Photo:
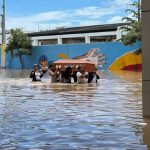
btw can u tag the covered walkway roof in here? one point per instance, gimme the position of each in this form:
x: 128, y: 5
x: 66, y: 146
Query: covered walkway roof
x: 77, y: 30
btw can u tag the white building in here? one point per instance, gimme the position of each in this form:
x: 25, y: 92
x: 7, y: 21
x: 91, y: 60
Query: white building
x: 83, y: 34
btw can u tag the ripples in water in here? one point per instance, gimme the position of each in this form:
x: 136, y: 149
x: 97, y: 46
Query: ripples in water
x: 43, y: 116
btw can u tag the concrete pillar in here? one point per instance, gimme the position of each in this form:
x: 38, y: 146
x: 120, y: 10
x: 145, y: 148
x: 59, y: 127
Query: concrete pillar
x: 87, y: 39
x: 59, y: 40
x: 35, y: 42
x: 118, y: 33
x: 39, y: 43
x: 146, y: 56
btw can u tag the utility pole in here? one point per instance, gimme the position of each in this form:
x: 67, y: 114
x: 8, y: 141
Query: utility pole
x: 139, y: 10
x: 3, y: 53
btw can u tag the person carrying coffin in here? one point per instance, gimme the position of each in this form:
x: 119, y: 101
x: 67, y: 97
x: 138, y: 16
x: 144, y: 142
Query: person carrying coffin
x: 93, y: 76
x: 81, y: 76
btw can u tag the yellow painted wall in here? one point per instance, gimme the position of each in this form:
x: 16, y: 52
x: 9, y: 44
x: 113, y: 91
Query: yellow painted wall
x: 126, y: 60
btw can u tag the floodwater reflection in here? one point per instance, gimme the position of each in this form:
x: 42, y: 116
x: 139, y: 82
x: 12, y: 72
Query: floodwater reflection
x: 103, y: 116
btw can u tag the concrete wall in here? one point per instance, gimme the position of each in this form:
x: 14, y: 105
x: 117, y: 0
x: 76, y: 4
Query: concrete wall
x: 59, y: 38
x: 111, y: 50
x: 146, y: 56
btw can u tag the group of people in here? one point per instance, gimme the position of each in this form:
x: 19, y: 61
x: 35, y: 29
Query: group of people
x: 66, y: 76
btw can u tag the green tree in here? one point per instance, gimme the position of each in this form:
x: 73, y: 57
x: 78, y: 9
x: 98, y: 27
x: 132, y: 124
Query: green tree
x: 19, y: 44
x: 133, y: 29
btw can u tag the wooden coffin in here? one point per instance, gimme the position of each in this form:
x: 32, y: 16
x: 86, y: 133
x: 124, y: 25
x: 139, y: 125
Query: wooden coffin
x: 74, y: 63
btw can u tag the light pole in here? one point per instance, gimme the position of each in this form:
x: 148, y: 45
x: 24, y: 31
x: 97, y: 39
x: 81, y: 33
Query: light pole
x: 3, y: 53
x: 139, y: 10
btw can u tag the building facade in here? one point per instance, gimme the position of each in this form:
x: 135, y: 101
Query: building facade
x: 84, y: 34
x: 73, y: 35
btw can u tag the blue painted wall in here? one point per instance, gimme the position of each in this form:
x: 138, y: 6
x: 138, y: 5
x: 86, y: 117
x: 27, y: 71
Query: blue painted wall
x: 112, y: 51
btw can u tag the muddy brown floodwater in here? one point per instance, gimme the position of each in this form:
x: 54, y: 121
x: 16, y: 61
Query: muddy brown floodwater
x: 45, y: 116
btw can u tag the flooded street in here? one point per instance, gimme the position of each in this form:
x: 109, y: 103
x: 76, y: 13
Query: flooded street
x: 45, y: 116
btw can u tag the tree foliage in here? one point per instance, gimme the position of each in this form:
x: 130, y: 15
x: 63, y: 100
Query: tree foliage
x: 19, y: 44
x: 133, y: 29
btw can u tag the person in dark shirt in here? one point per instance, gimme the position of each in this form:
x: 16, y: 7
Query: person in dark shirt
x: 67, y: 75
x: 74, y: 76
x: 93, y: 76
x: 36, y: 74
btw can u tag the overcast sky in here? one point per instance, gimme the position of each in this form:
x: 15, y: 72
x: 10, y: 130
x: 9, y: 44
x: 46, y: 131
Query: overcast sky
x: 49, y: 14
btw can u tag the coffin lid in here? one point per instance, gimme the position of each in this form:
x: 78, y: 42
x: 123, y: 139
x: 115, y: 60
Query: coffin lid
x: 73, y: 61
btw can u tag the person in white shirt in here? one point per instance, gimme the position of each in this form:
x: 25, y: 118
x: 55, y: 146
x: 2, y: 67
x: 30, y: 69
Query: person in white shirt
x: 36, y: 74
x: 81, y: 76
